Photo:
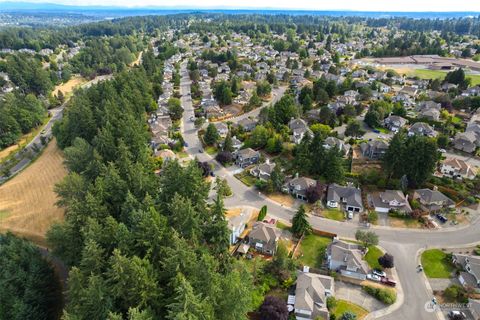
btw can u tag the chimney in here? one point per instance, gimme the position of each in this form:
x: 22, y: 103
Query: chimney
x: 435, y: 188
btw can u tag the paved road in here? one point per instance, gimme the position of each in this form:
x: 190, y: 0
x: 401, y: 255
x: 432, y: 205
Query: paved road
x: 404, y: 244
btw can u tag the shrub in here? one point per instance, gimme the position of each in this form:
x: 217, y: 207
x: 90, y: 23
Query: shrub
x: 262, y: 214
x: 331, y: 303
x: 387, y: 296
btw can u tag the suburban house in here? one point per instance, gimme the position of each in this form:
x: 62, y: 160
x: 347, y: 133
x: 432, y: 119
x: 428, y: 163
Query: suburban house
x: 264, y: 238
x: 347, y: 259
x: 247, y: 124
x: 222, y: 129
x: 432, y: 200
x: 311, y: 293
x: 388, y: 200
x: 299, y: 129
x: 469, y: 140
x: 349, y: 197
x: 263, y: 171
x: 429, y: 110
x: 298, y: 186
x: 332, y: 142
x: 237, y: 225
x: 457, y: 169
x: 465, y: 141
x: 374, y: 149
x: 247, y: 157
x: 470, y: 276
x: 394, y: 123
x: 421, y: 129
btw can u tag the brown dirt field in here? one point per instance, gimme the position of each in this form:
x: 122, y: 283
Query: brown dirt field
x: 68, y: 86
x: 27, y: 201
x: 285, y: 199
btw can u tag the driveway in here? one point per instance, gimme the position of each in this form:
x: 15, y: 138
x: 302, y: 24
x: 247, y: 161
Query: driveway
x: 355, y: 294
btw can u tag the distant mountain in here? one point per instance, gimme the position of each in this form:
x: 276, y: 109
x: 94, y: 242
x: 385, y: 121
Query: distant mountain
x: 128, y: 11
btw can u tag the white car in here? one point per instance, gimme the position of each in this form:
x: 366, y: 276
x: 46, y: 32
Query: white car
x: 350, y: 215
x: 379, y: 273
x: 373, y: 277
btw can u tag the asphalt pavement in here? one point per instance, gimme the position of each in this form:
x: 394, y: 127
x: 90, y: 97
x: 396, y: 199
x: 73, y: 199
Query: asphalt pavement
x: 403, y: 244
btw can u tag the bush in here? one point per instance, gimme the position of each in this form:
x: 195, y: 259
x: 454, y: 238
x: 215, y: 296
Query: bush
x: 387, y: 296
x: 456, y: 293
x: 262, y: 214
x: 372, y: 216
x: 331, y: 303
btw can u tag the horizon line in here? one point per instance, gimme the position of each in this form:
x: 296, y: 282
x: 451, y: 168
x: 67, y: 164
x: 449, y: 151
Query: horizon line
x: 230, y: 8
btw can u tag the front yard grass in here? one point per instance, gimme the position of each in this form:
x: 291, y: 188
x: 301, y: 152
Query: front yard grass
x: 282, y: 226
x: 246, y: 178
x: 312, y: 250
x: 343, y: 306
x: 211, y: 150
x: 333, y: 214
x: 436, y: 264
x: 372, y: 257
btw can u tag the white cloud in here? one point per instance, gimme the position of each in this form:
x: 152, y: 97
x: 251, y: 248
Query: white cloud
x: 356, y: 5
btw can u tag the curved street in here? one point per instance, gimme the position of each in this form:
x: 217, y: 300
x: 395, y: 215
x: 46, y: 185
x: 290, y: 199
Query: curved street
x: 403, y: 244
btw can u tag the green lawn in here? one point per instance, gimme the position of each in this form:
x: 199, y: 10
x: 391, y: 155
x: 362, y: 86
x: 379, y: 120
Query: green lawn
x: 182, y: 154
x: 334, y: 214
x: 344, y: 306
x: 282, y: 226
x: 438, y: 74
x: 211, y: 150
x: 382, y: 130
x: 436, y: 264
x: 372, y: 257
x: 313, y: 249
x: 246, y: 178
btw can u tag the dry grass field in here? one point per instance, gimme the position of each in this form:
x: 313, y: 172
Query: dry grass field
x: 68, y: 87
x: 27, y: 201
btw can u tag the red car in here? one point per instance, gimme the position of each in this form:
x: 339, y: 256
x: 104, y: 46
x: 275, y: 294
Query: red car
x: 388, y: 282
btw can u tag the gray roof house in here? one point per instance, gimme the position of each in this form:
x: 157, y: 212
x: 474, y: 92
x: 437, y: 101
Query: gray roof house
x: 311, y: 293
x: 298, y: 186
x: 237, y: 225
x: 432, y: 200
x: 469, y: 140
x: 247, y: 157
x: 421, y: 129
x: 470, y: 277
x: 247, y: 124
x: 374, y: 149
x: 264, y: 238
x: 299, y: 129
x: 349, y: 197
x: 394, y: 123
x: 332, y: 142
x: 347, y: 258
x: 263, y: 171
x: 465, y: 141
x: 388, y: 200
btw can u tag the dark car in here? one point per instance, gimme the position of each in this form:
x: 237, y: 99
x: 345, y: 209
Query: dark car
x: 441, y: 218
x: 388, y: 282
x: 456, y: 315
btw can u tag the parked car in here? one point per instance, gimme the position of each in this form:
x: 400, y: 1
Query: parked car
x: 457, y: 315
x: 442, y: 150
x: 200, y: 150
x: 441, y: 217
x: 350, y: 214
x: 373, y: 277
x: 388, y: 282
x: 379, y: 273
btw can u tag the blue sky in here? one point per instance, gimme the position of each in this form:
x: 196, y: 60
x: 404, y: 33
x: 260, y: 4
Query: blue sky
x: 357, y: 5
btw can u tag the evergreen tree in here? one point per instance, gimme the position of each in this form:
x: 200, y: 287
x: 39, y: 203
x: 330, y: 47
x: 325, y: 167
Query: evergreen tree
x: 300, y: 224
x: 211, y: 136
